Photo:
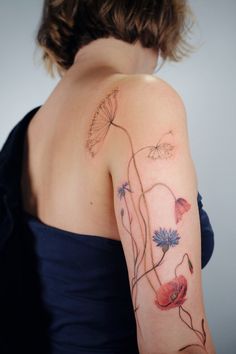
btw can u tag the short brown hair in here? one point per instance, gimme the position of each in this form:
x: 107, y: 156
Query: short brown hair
x: 67, y: 25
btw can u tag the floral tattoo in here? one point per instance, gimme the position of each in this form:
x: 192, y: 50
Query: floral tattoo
x: 171, y: 294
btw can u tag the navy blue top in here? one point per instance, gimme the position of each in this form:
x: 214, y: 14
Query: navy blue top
x: 64, y: 293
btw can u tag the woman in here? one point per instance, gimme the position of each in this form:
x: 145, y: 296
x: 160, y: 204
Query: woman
x: 99, y: 192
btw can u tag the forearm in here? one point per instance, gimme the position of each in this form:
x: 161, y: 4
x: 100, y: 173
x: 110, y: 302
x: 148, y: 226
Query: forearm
x: 192, y: 350
x: 210, y: 349
x: 188, y: 350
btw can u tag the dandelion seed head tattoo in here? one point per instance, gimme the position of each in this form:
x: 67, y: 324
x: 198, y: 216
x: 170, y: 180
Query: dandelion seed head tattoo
x: 101, y: 122
x: 161, y: 151
x: 170, y: 294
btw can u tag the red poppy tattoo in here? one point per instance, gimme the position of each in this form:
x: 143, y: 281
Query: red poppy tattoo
x: 181, y: 207
x: 171, y: 294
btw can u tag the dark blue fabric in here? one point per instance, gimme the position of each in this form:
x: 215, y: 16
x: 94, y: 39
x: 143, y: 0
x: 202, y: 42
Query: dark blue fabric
x: 85, y: 290
x: 62, y: 293
x: 207, y: 233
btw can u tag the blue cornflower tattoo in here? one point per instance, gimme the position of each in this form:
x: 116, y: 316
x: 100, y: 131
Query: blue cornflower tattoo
x: 122, y: 189
x: 166, y: 238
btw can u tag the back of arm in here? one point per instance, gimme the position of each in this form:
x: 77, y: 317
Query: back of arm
x: 155, y: 203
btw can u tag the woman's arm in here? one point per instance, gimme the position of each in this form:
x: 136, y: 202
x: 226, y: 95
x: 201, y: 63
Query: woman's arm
x: 155, y: 203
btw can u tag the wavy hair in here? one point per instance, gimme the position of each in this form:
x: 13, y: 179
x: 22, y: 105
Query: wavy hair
x: 68, y: 25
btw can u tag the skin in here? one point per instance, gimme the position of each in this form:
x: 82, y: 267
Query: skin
x: 59, y: 139
x: 49, y: 137
x: 170, y: 294
x: 116, y: 56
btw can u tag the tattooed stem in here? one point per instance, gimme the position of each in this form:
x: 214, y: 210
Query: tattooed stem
x: 156, y: 265
x: 122, y: 220
x: 134, y: 243
x: 200, y: 335
x: 145, y: 240
x: 131, y: 196
x: 189, y: 264
x: 188, y: 324
x: 141, y: 186
x: 192, y: 345
x: 133, y: 239
x: 158, y: 279
x: 197, y: 332
x: 129, y: 226
x: 161, y: 184
x: 142, y: 195
x: 204, y: 332
x: 144, y: 222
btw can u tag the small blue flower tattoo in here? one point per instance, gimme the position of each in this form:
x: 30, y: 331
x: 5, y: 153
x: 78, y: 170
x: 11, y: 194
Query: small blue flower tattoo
x: 122, y: 190
x: 166, y: 238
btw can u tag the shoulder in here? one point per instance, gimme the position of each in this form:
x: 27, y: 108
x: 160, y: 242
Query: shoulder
x: 147, y: 107
x: 150, y: 101
x: 150, y: 114
x: 148, y: 90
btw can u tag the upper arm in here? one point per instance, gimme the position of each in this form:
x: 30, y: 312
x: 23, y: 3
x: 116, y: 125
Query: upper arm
x: 155, y: 203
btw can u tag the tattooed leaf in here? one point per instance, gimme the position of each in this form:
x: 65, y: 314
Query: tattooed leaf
x: 203, y: 331
x: 190, y: 266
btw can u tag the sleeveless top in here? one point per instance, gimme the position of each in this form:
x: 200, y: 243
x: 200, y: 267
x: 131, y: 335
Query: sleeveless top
x: 62, y: 292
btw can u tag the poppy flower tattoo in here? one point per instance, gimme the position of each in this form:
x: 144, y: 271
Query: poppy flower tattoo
x: 181, y: 207
x: 171, y: 294
x: 101, y: 122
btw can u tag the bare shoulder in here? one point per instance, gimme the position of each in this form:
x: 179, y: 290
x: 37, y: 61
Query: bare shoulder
x: 149, y: 90
x: 154, y: 187
x: 150, y: 101
x: 148, y: 108
x: 141, y: 108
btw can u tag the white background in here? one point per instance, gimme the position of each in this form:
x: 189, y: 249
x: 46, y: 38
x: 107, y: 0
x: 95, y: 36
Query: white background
x: 206, y: 82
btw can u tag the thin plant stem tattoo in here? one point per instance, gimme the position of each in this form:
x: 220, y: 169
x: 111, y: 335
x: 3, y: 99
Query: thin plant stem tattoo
x: 153, y: 157
x: 146, y: 224
x: 134, y: 244
x: 167, y: 295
